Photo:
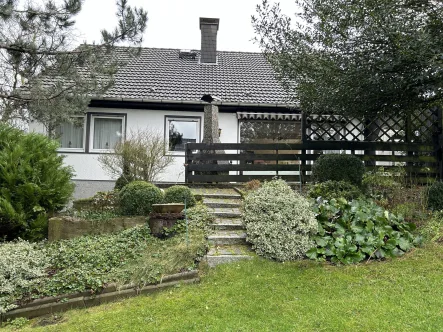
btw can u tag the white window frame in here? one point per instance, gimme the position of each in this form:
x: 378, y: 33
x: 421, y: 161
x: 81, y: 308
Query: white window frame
x: 91, y: 135
x: 82, y: 149
x: 168, y: 118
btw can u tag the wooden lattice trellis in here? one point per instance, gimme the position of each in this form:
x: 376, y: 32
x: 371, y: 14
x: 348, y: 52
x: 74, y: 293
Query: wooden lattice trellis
x: 418, y: 127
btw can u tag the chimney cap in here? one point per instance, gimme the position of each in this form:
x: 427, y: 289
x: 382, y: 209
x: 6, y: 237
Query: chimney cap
x: 209, y: 98
x: 209, y: 21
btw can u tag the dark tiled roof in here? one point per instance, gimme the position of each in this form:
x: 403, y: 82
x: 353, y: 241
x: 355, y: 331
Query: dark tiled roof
x: 160, y: 74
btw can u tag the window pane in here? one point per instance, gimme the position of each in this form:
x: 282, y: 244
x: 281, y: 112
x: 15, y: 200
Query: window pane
x: 70, y: 136
x: 182, y: 132
x: 264, y: 132
x: 107, y: 133
x: 270, y: 131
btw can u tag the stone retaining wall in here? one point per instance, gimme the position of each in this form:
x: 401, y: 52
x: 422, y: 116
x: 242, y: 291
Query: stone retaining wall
x: 68, y: 227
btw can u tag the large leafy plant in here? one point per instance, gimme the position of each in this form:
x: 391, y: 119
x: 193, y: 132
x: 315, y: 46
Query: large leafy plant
x: 349, y: 232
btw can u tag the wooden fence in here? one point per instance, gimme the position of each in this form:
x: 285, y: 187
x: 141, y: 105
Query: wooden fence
x: 237, y: 162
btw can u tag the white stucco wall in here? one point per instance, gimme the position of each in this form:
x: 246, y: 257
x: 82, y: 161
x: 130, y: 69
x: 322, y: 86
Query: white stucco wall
x: 87, y: 167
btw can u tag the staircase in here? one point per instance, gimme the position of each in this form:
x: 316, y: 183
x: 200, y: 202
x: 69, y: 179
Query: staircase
x: 228, y: 238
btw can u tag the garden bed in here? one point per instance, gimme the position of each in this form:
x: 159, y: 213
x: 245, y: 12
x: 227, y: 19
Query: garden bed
x: 88, y: 265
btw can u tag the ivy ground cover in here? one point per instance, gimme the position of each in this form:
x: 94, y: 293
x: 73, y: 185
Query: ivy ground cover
x: 401, y: 294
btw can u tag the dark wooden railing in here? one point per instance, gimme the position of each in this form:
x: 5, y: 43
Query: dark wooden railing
x: 419, y: 160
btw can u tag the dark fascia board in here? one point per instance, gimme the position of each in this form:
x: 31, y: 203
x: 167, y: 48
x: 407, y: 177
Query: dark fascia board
x: 187, y: 107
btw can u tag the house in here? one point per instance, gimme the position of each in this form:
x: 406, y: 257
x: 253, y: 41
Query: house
x: 162, y: 89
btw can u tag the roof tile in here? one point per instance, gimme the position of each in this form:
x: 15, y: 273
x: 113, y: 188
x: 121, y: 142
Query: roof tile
x: 160, y: 74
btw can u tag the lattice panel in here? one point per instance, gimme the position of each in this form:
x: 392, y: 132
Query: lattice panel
x: 333, y: 128
x: 385, y: 130
x: 420, y: 127
x: 424, y: 126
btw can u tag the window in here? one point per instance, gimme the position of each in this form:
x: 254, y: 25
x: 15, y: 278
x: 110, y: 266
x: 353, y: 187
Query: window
x: 180, y: 131
x: 106, y: 132
x: 270, y: 131
x: 71, y: 135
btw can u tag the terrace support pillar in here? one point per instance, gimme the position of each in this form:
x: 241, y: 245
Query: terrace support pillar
x: 211, y: 135
x: 211, y: 128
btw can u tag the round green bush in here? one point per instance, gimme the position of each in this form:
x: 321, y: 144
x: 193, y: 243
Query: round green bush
x: 335, y: 189
x: 278, y: 221
x: 178, y: 194
x: 137, y: 198
x: 435, y: 196
x: 338, y: 167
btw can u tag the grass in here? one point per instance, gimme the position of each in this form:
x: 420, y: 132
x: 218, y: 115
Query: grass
x: 403, y: 294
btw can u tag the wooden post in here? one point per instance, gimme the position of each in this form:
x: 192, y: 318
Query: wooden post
x: 188, y: 160
x: 408, y: 139
x: 304, y: 138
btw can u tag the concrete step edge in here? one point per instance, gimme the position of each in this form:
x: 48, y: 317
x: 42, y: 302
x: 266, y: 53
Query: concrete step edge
x: 224, y: 196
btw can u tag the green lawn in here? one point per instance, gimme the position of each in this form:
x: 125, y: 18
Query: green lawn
x: 404, y: 294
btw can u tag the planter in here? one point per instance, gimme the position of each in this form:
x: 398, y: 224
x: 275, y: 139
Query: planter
x: 159, y: 222
x: 168, y: 208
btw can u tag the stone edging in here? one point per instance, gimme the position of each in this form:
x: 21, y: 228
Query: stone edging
x: 51, y: 305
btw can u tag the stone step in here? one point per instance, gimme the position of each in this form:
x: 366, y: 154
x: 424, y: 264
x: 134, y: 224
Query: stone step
x: 227, y: 238
x: 227, y: 254
x: 228, y: 224
x: 226, y: 212
x: 221, y: 203
x: 230, y: 250
x: 223, y: 259
x: 222, y: 196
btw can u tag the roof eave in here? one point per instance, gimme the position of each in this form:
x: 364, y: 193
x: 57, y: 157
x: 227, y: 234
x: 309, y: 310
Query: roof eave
x: 174, y: 101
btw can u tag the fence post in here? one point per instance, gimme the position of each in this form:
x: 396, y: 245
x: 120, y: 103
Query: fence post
x: 304, y: 138
x: 188, y: 160
x: 408, y: 138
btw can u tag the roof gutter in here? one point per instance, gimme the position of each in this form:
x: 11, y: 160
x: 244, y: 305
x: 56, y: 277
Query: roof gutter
x: 217, y: 103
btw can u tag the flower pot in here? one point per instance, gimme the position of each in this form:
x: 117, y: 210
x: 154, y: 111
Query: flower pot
x: 158, y: 222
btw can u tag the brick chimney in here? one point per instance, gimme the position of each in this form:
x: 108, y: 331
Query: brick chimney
x: 209, y: 28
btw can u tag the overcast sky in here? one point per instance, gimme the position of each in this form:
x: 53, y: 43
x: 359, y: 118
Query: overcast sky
x: 175, y: 23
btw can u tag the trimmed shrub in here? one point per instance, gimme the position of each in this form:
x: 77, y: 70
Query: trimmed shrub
x: 349, y: 232
x: 178, y: 194
x: 33, y: 183
x: 435, y: 196
x: 122, y: 181
x: 335, y: 189
x: 22, y: 267
x: 338, y: 167
x: 137, y: 198
x: 278, y: 221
